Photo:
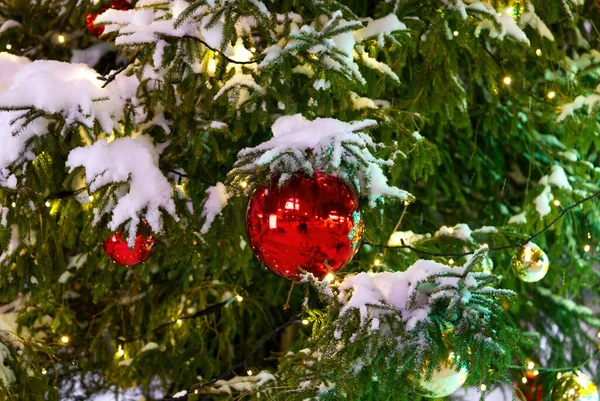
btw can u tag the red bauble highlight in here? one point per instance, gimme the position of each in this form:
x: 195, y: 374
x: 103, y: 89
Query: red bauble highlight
x: 91, y: 17
x: 311, y: 222
x: 118, y: 250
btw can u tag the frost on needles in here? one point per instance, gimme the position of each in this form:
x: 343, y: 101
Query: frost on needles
x: 393, y: 327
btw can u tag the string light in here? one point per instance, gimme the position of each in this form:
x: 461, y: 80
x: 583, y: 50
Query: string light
x: 253, y: 49
x: 211, y: 67
x: 524, y: 380
x: 305, y: 321
x: 450, y: 230
x: 589, y: 235
x: 61, y: 39
x: 14, y: 204
x: 483, y: 387
x: 507, y: 80
x: 538, y: 52
x: 244, y: 184
x: 47, y: 203
x: 536, y: 372
x: 530, y: 365
x: 65, y: 339
x: 120, y: 352
x: 451, y: 261
x: 179, y: 322
x: 8, y: 46
x: 455, y: 33
x: 91, y: 198
x: 586, y: 248
x: 551, y: 95
x: 239, y: 298
x: 329, y: 277
x: 556, y: 202
x: 249, y: 372
x: 44, y: 371
x: 377, y: 262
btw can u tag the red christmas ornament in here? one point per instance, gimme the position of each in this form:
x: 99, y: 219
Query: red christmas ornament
x: 530, y: 387
x: 91, y: 17
x: 118, y: 250
x: 311, y: 222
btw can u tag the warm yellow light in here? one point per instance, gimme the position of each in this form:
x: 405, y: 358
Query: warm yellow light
x: 249, y: 372
x: 239, y: 298
x: 47, y: 203
x: 551, y: 95
x: 179, y: 322
x: 530, y: 365
x: 44, y: 371
x: 305, y: 321
x: 455, y: 33
x: 536, y: 372
x: 586, y: 248
x: 483, y: 387
x: 507, y: 80
x: 91, y: 197
x: 572, y: 391
x: 538, y: 52
x: 14, y: 204
x: 450, y: 230
x: 556, y: 202
x: 451, y: 261
x: 64, y: 339
x: 120, y: 352
x: 244, y: 184
x: 589, y: 235
x: 524, y: 380
x: 61, y: 39
x: 510, y: 11
x: 377, y: 262
x: 598, y: 335
x: 253, y: 49
x: 8, y: 46
x: 211, y: 67
x: 527, y: 256
x: 329, y: 277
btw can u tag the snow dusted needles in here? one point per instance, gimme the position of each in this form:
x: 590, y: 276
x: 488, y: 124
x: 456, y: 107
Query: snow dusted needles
x: 325, y: 145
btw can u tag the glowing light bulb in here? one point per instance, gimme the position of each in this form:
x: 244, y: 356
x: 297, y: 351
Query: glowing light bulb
x: 589, y: 235
x: 14, y: 204
x: 47, y: 203
x: 536, y: 372
x: 527, y: 256
x: 551, y: 95
x: 239, y: 298
x: 64, y: 339
x: 507, y: 80
x: 244, y: 184
x: 483, y: 387
x: 178, y: 322
x: 253, y: 49
x: 120, y: 352
x: 44, y: 371
x: 91, y: 198
x: 305, y: 321
x: 538, y: 52
x: 450, y: 230
x: 8, y: 46
x: 451, y: 261
x: 586, y: 248
x: 455, y: 33
x: 524, y: 380
x: 530, y: 365
x: 249, y: 372
x: 377, y: 262
x: 329, y: 277
x: 211, y: 67
x: 61, y: 39
x: 556, y: 202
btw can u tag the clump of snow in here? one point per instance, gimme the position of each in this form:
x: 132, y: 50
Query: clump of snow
x: 133, y: 161
x: 519, y: 218
x: 502, y: 25
x: 324, y: 144
x: 149, y: 347
x: 399, y: 238
x: 7, y: 376
x: 557, y: 178
x: 241, y: 384
x: 379, y: 28
x: 9, y: 66
x: 461, y: 231
x: 529, y: 17
x: 217, y: 199
x: 13, y: 244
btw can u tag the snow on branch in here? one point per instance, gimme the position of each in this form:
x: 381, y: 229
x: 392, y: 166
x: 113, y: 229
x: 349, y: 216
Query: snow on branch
x: 325, y: 145
x: 133, y: 161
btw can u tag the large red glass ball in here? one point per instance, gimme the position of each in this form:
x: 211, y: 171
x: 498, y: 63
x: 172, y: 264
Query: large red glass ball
x: 118, y: 250
x: 312, y: 223
x: 91, y: 17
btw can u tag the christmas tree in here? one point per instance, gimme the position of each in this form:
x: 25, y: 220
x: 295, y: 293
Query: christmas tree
x: 299, y: 200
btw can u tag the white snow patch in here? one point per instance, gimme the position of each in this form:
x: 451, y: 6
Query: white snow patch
x: 217, y: 199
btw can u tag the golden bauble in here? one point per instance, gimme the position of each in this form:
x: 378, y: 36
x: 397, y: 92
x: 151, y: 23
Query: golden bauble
x: 530, y: 264
x: 444, y: 381
x: 484, y: 265
x: 574, y: 387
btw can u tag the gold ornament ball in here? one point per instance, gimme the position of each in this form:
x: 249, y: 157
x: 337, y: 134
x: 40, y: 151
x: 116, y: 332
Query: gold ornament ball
x: 574, y: 387
x: 444, y: 381
x: 530, y: 264
x: 484, y: 265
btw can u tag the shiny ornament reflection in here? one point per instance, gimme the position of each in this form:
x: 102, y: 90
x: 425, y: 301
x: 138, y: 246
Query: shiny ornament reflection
x: 91, y: 17
x: 118, y: 250
x: 445, y: 381
x: 311, y: 223
x: 530, y: 264
x: 574, y: 387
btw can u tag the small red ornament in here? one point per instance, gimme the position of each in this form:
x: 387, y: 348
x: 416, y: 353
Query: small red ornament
x: 91, y: 17
x: 311, y: 222
x: 118, y: 250
x: 530, y: 387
